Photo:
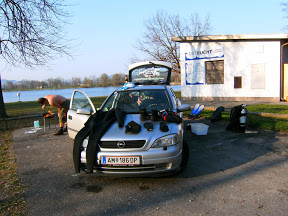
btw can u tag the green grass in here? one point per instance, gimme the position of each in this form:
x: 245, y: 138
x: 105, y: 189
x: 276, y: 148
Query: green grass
x: 97, y: 101
x: 12, y: 202
x: 269, y: 108
x: 17, y: 109
x: 29, y: 108
x: 267, y: 123
x: 255, y: 121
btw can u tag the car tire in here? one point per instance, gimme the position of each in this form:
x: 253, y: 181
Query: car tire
x: 185, y: 156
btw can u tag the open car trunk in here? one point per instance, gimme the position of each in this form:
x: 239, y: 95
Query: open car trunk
x: 150, y: 73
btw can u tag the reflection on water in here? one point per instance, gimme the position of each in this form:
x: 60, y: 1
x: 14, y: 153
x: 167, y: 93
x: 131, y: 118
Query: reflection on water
x: 34, y: 95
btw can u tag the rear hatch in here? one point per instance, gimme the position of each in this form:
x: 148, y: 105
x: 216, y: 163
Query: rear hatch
x: 150, y: 73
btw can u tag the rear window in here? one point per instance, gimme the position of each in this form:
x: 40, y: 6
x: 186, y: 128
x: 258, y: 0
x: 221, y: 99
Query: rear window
x: 150, y: 75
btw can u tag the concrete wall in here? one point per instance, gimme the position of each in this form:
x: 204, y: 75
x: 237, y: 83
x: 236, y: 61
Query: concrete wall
x: 257, y: 62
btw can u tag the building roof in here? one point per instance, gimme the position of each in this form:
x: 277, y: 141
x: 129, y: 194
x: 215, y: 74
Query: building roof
x: 278, y: 36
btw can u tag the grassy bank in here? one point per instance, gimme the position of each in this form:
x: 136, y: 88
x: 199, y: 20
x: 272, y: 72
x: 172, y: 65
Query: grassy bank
x: 33, y: 107
x: 11, y: 200
x: 30, y: 108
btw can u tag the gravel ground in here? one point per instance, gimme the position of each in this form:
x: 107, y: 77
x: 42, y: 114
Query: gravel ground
x: 227, y: 174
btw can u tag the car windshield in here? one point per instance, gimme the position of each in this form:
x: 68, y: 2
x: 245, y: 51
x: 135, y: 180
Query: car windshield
x: 133, y: 101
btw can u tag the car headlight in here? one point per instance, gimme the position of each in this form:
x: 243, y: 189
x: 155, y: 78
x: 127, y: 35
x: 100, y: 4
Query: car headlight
x: 166, y: 141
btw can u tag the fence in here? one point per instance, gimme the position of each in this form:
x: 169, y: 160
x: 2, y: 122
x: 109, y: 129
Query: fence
x: 23, y: 121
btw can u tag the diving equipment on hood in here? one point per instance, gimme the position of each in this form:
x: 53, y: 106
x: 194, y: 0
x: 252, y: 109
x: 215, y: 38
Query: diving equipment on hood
x: 144, y: 115
x: 148, y: 126
x: 170, y: 116
x: 156, y: 116
x: 132, y: 127
x: 164, y: 127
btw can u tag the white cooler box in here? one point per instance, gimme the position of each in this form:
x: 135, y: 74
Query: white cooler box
x: 199, y: 128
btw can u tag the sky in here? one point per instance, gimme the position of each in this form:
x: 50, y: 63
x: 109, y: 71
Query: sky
x: 106, y: 32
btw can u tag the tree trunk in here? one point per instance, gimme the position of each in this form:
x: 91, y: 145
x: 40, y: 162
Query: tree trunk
x: 3, y: 113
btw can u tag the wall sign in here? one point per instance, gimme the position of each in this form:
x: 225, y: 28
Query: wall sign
x: 195, y: 73
x: 204, y: 53
x: 195, y: 61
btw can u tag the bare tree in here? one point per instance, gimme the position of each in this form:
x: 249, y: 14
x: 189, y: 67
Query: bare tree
x: 157, y: 39
x: 31, y: 34
x: 75, y: 81
x: 87, y: 82
x: 176, y: 78
x: 105, y: 81
x: 198, y: 26
x: 117, y: 79
x: 9, y: 85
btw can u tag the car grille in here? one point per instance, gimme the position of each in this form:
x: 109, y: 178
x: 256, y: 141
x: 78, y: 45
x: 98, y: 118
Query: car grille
x: 126, y: 170
x: 128, y: 144
x: 134, y: 169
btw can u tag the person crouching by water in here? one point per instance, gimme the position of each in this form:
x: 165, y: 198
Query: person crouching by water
x: 62, y: 104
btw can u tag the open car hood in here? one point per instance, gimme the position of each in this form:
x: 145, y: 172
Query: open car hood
x: 150, y: 73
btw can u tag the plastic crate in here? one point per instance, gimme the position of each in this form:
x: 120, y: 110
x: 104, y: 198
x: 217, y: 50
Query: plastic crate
x: 199, y: 128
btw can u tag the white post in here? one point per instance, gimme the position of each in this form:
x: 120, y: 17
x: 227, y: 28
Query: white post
x: 18, y: 94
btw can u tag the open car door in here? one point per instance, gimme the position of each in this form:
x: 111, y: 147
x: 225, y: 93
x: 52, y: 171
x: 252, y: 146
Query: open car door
x: 80, y: 109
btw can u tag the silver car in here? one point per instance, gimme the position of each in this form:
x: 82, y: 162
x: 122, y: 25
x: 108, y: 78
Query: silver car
x: 147, y: 151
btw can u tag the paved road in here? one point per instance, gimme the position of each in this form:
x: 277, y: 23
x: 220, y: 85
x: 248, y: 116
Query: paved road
x: 228, y: 174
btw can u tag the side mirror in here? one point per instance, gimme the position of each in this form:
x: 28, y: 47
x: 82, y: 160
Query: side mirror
x: 183, y: 107
x: 84, y: 111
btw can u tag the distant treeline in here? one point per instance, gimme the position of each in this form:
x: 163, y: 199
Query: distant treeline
x: 104, y: 80
x: 58, y: 83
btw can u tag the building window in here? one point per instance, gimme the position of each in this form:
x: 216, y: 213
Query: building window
x: 214, y: 72
x: 238, y: 82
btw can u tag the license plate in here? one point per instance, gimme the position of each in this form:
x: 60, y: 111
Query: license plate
x: 123, y: 160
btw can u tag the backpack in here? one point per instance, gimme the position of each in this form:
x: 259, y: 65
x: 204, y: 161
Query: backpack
x: 234, y: 124
x: 217, y: 114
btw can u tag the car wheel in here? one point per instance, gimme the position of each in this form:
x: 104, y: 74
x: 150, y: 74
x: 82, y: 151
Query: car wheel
x: 185, y: 156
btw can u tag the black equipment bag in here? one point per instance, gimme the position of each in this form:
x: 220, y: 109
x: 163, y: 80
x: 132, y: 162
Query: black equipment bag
x: 217, y: 114
x: 234, y: 124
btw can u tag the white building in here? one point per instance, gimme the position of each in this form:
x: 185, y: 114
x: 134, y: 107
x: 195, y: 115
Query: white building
x: 234, y: 67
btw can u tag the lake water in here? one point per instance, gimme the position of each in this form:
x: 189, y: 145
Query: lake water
x: 10, y: 97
